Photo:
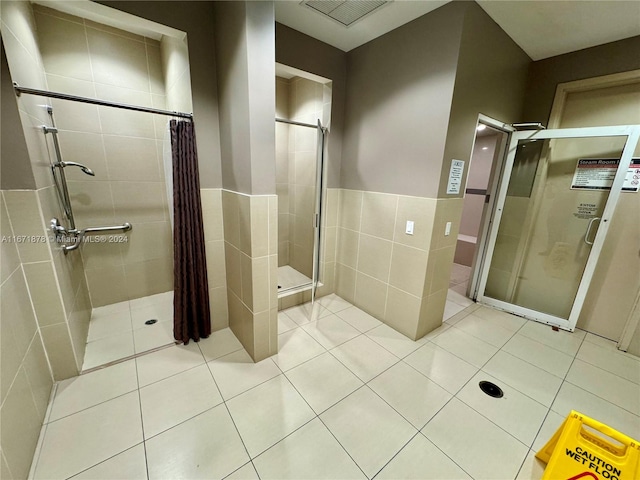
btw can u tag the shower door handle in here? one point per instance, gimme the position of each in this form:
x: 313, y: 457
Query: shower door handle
x: 316, y: 220
x: 586, y: 235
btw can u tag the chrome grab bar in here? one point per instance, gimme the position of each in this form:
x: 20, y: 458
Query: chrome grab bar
x: 586, y: 235
x: 79, y: 235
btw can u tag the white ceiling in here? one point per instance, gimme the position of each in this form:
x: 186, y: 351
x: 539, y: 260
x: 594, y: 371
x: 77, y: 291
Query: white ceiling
x: 542, y: 28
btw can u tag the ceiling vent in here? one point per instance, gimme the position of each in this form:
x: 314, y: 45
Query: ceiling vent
x: 346, y: 12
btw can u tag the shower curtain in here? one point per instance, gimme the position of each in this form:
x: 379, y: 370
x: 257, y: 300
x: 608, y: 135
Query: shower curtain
x: 191, y: 310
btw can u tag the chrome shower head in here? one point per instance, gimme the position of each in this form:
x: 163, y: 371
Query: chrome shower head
x: 84, y: 168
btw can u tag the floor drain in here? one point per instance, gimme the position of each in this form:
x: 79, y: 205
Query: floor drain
x: 491, y: 389
x: 151, y: 322
x: 279, y: 286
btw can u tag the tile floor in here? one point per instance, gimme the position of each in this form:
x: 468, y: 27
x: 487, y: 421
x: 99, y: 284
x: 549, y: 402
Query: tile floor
x: 346, y: 397
x: 289, y: 277
x: 118, y: 331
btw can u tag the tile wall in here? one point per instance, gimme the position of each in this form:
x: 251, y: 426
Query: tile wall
x: 282, y: 169
x: 123, y: 148
x: 398, y: 278
x: 251, y: 253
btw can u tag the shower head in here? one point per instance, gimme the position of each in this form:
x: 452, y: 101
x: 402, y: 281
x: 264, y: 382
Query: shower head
x: 84, y: 168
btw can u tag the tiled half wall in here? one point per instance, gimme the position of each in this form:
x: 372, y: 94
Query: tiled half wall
x: 400, y: 279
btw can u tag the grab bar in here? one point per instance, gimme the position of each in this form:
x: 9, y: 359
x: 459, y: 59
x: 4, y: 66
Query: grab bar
x: 80, y: 234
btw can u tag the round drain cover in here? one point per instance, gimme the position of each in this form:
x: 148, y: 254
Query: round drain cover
x: 491, y: 389
x: 151, y: 322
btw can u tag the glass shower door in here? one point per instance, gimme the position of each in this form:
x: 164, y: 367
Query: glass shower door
x: 318, y: 210
x: 555, y: 202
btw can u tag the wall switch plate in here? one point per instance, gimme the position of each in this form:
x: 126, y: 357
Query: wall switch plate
x: 447, y: 229
x: 409, y: 229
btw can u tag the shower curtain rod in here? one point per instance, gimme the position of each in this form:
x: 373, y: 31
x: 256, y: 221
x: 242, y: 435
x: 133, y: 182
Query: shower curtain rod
x: 292, y: 122
x: 63, y: 96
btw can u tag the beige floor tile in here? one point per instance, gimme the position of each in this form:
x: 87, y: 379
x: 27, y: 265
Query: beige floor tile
x: 515, y: 413
x: 358, y: 319
x: 204, y: 447
x: 102, y: 326
x: 444, y: 368
x: 503, y: 319
x: 334, y: 303
x: 128, y: 465
x: 161, y: 311
x: 310, y: 452
x: 79, y: 393
x: 571, y: 397
x: 246, y: 472
x: 524, y: 377
x: 323, y: 381
x: 108, y: 349
x: 565, y: 342
x: 167, y: 362
x: 295, y: 347
x: 410, y: 393
x: 285, y: 323
x: 465, y: 346
x: 451, y: 309
x: 303, y: 314
x: 487, y: 330
x: 610, y: 359
x: 266, y: 414
x: 532, y: 468
x: 219, y: 344
x: 539, y: 354
x: 173, y: 400
x: 368, y: 429
x: 237, y: 372
x: 109, y: 310
x: 166, y: 297
x: 477, y: 445
x: 421, y: 460
x: 606, y: 385
x: 364, y: 357
x: 153, y: 336
x: 330, y: 331
x: 549, y: 427
x: 393, y: 341
x: 80, y: 441
x: 460, y: 298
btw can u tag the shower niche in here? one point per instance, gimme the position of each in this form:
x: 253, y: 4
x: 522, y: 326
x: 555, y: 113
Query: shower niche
x: 303, y: 111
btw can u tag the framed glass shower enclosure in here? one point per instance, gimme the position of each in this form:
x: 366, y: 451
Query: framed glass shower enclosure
x: 300, y: 208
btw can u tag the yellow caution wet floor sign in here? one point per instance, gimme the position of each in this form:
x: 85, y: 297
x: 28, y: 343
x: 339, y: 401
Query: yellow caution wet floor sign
x: 580, y: 449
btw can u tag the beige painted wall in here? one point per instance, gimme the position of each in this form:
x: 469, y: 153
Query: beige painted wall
x: 123, y: 148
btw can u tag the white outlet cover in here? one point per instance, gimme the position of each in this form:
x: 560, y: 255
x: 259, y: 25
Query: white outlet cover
x: 447, y: 229
x: 409, y: 229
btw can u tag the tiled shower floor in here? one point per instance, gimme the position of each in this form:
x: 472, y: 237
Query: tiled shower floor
x: 289, y: 277
x: 118, y: 331
x: 346, y: 397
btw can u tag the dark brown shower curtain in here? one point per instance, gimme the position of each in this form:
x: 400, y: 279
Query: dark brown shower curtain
x: 191, y: 310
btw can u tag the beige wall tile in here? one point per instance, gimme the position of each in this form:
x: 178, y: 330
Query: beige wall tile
x: 57, y: 343
x: 92, y: 203
x: 244, y: 223
x: 38, y: 374
x: 148, y: 241
x: 74, y: 116
x: 25, y: 217
x: 371, y: 295
x: 79, y: 323
x: 261, y: 288
x: 408, y: 269
x: 329, y: 244
x: 4, y: 468
x: 331, y: 204
x: 9, y: 259
x: 154, y: 62
x: 219, y: 308
x: 107, y: 285
x: 246, y: 278
x: 259, y: 226
x: 132, y: 159
x: 263, y: 337
x: 328, y: 279
x: 235, y: 315
x: 447, y: 210
x: 283, y: 254
x: 379, y: 214
x: 431, y: 312
x: 348, y: 241
x: 440, y: 275
x: 216, y: 271
x: 56, y: 13
x: 114, y: 31
x: 70, y: 272
x: 139, y: 202
x: 350, y: 209
x: 231, y: 218
x: 45, y: 296
x: 233, y: 268
x: 149, y: 277
x: 21, y: 424
x: 374, y: 257
x: 273, y: 225
x: 16, y: 312
x: 99, y: 255
x: 345, y: 282
x: 211, y: 199
x: 304, y: 201
x: 273, y: 281
x: 57, y: 35
x: 117, y: 60
x: 403, y: 312
x: 115, y: 121
x: 421, y: 211
x: 85, y: 148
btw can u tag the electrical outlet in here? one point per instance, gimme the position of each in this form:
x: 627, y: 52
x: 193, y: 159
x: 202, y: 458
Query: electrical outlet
x: 447, y: 229
x: 409, y: 229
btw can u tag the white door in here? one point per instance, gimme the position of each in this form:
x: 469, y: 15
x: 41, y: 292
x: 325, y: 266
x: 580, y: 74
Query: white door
x: 557, y: 195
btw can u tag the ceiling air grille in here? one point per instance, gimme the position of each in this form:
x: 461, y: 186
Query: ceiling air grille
x: 346, y: 11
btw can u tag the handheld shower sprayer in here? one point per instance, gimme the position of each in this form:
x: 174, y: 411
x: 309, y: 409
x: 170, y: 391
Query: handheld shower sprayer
x: 84, y: 168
